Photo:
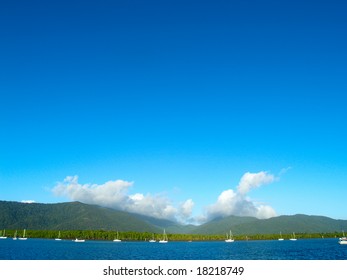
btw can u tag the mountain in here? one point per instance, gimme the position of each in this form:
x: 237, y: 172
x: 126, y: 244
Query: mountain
x: 223, y: 225
x: 285, y: 224
x: 69, y: 216
x: 170, y: 226
x: 76, y: 215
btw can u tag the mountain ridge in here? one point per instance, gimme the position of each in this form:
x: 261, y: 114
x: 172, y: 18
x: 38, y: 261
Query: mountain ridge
x: 81, y: 216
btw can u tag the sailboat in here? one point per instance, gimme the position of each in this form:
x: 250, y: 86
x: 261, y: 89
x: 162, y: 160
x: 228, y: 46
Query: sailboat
x: 293, y: 238
x: 117, y: 239
x: 15, y: 236
x: 3, y: 236
x: 343, y: 239
x: 281, y: 238
x: 58, y: 238
x: 79, y: 240
x: 230, y: 239
x: 164, y: 240
x: 152, y: 240
x: 23, y: 238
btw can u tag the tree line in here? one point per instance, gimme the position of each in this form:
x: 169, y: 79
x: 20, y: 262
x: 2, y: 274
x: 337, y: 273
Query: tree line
x: 144, y: 236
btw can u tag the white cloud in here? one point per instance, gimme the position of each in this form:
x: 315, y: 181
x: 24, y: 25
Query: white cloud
x: 28, y: 201
x: 186, y: 208
x: 114, y: 194
x: 265, y: 211
x: 152, y: 205
x: 254, y: 180
x: 110, y: 194
x: 237, y: 203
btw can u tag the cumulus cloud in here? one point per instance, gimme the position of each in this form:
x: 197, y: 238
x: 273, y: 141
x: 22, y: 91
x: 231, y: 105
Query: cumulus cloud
x: 186, y: 209
x: 115, y: 194
x: 254, y: 180
x: 110, y: 194
x: 152, y: 205
x: 232, y: 202
x: 265, y: 211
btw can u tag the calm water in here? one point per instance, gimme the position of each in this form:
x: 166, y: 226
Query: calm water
x: 43, y: 249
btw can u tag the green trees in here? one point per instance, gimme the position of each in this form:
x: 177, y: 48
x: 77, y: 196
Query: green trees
x: 145, y: 236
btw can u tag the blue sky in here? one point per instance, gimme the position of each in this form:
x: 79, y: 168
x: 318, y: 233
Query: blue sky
x: 178, y: 101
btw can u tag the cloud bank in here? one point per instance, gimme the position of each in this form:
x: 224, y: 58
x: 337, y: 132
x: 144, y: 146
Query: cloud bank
x: 115, y: 194
x: 232, y: 202
x: 28, y: 201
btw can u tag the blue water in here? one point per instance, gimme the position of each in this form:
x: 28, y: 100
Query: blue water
x: 43, y: 249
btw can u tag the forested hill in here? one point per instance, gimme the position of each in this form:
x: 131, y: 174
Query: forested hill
x: 69, y: 216
x: 79, y: 216
x: 285, y: 224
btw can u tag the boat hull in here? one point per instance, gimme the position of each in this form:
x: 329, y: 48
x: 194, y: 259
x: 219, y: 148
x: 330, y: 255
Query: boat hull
x: 79, y: 240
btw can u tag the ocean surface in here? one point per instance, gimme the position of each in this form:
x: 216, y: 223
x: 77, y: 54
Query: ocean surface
x: 44, y: 249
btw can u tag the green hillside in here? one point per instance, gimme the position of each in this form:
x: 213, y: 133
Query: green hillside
x: 285, y: 224
x: 79, y: 216
x: 170, y: 226
x: 69, y: 216
x: 223, y: 225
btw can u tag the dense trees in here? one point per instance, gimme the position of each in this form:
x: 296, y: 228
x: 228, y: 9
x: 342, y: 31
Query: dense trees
x: 144, y: 236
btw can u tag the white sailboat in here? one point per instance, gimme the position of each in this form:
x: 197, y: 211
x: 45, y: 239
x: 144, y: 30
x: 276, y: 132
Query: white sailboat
x: 23, y: 238
x: 152, y: 240
x: 58, y: 239
x: 79, y: 240
x: 3, y: 235
x: 229, y: 238
x: 343, y: 239
x: 117, y: 239
x: 165, y: 239
x: 15, y: 236
x: 293, y: 238
x: 281, y: 238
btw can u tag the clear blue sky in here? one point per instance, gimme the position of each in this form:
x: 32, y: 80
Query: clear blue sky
x: 179, y: 99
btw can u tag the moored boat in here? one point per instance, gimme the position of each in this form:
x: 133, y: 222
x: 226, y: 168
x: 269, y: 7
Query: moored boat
x: 79, y: 240
x: 117, y: 239
x: 293, y: 238
x: 281, y: 238
x: 152, y: 240
x: 15, y: 236
x: 165, y: 239
x: 229, y: 238
x: 24, y: 237
x: 343, y: 239
x: 58, y: 238
x: 3, y: 235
